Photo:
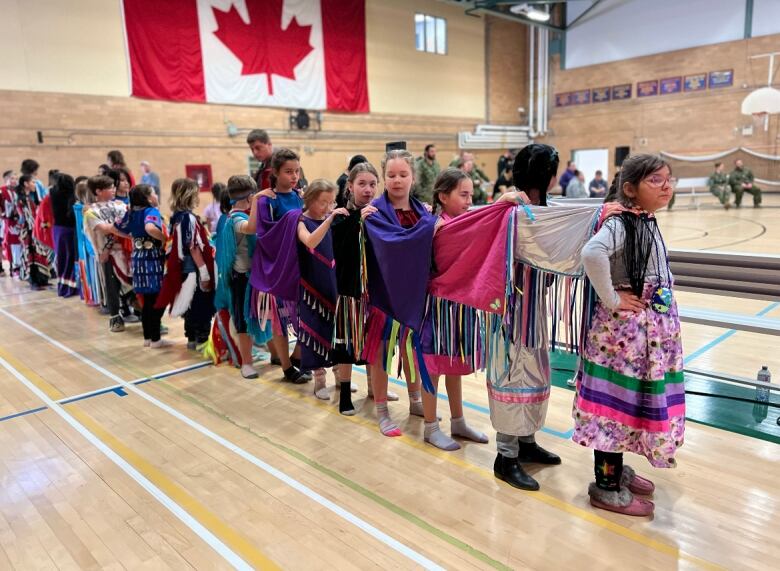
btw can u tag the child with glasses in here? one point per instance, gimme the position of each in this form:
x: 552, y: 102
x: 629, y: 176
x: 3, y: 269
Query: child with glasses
x: 630, y: 392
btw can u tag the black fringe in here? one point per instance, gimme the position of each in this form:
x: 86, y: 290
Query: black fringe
x: 640, y: 231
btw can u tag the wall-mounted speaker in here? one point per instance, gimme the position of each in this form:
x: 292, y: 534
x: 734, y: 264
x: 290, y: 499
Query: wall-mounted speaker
x: 621, y: 154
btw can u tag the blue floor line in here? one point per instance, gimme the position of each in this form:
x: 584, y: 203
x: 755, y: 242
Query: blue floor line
x: 119, y: 391
x: 718, y: 340
x: 479, y: 408
x: 31, y: 411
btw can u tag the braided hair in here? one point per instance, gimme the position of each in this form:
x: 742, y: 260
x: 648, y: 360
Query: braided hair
x: 535, y: 166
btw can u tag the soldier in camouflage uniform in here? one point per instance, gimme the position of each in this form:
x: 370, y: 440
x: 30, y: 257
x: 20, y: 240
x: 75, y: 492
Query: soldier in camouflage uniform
x: 465, y: 162
x: 741, y: 181
x: 719, y: 185
x: 426, y: 170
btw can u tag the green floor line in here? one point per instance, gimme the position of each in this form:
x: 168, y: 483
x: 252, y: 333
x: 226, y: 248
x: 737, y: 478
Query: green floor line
x: 354, y: 486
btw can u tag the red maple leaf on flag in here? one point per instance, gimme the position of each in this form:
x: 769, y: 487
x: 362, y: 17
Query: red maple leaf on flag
x: 262, y: 45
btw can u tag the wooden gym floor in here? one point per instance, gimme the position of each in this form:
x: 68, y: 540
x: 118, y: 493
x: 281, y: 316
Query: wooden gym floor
x: 101, y: 468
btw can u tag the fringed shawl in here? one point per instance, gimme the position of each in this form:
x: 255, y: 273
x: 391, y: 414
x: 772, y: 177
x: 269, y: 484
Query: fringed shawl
x: 316, y: 300
x: 352, y: 303
x: 275, y: 261
x: 533, y: 251
x: 398, y: 261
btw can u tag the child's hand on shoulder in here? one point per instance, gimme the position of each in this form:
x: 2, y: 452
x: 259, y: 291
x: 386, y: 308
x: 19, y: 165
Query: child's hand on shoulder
x: 367, y: 211
x: 268, y: 193
x: 428, y: 207
x: 339, y: 211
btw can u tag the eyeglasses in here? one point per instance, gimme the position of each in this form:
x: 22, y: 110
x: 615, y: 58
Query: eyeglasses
x: 658, y: 181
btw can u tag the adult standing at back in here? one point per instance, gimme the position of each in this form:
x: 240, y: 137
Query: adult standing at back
x: 567, y: 176
x: 426, y: 168
x: 150, y: 177
x: 260, y: 144
x: 505, y: 162
x: 741, y: 181
x: 341, y: 182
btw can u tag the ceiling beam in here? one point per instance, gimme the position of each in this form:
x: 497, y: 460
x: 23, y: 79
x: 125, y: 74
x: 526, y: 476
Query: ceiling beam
x: 518, y: 18
x: 581, y: 16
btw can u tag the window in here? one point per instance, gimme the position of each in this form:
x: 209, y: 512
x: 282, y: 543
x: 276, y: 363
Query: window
x: 430, y: 34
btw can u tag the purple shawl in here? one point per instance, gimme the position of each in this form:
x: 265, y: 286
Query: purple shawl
x: 399, y: 261
x: 275, y: 261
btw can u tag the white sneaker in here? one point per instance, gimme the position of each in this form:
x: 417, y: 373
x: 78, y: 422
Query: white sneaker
x: 249, y: 372
x: 322, y: 393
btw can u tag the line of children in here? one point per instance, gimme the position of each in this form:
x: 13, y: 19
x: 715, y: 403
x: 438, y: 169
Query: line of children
x: 353, y: 287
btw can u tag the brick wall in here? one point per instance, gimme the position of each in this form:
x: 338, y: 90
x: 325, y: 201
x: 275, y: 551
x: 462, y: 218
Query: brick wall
x: 506, y: 61
x: 78, y: 130
x: 685, y: 123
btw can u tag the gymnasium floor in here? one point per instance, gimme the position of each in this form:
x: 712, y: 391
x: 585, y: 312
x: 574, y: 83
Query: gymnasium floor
x: 101, y: 468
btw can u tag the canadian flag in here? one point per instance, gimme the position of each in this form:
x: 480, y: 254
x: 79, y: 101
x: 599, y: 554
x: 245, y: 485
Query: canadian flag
x: 307, y: 54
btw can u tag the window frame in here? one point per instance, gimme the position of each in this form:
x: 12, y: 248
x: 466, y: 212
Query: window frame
x: 438, y: 23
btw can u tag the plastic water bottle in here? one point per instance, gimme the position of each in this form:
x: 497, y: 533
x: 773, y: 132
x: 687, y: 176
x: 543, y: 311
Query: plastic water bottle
x: 764, y: 376
x: 761, y: 406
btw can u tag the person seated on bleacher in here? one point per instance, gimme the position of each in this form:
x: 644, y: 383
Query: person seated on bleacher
x: 576, y: 186
x: 598, y: 186
x: 741, y: 181
x: 718, y: 184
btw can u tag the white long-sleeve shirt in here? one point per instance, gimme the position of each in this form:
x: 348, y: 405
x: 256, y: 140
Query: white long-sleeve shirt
x: 602, y: 258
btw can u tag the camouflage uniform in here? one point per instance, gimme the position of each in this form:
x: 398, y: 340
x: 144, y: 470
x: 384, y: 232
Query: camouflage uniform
x: 425, y: 176
x: 719, y: 186
x: 477, y: 176
x: 739, y: 176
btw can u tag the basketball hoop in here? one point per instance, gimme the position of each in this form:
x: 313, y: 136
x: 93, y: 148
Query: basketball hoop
x: 761, y: 120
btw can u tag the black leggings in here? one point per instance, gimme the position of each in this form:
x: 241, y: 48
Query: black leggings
x: 197, y: 319
x: 608, y: 467
x: 151, y: 317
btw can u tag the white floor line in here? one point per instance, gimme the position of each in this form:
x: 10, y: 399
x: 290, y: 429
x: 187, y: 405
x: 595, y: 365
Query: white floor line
x: 213, y: 541
x: 278, y: 474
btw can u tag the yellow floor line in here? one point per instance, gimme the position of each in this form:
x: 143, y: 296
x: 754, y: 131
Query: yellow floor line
x: 235, y: 540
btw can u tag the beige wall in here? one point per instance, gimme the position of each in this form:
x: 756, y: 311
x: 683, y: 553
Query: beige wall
x: 66, y: 46
x: 403, y: 80
x: 686, y: 123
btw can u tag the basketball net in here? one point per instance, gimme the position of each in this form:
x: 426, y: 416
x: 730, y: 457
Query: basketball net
x: 761, y: 120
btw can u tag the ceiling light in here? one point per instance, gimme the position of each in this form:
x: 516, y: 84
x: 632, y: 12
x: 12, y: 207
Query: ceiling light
x: 530, y: 12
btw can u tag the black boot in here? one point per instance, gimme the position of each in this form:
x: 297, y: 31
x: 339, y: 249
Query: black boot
x: 532, y: 453
x: 509, y: 471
